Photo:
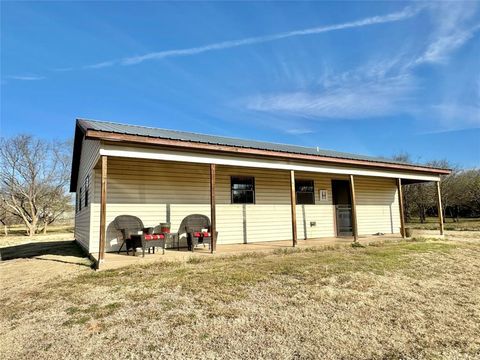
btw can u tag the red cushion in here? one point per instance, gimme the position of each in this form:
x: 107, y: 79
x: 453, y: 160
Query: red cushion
x: 200, y: 234
x: 154, y: 237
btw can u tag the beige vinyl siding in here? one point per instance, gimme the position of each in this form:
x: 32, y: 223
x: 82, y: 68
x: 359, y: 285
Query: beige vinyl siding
x: 88, y: 158
x: 322, y: 213
x: 147, y: 188
x: 150, y: 189
x: 377, y: 206
x: 268, y: 219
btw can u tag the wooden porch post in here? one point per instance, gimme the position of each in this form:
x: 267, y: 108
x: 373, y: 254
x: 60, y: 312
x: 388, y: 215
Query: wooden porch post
x: 213, y: 215
x: 354, y: 209
x: 293, y: 197
x: 103, y: 211
x: 440, y: 210
x: 400, y: 204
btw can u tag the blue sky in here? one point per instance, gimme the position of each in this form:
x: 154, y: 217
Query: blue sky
x: 366, y: 77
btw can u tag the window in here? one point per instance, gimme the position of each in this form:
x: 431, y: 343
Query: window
x: 305, y: 192
x: 87, y: 186
x: 243, y: 189
x: 76, y: 203
x: 80, y: 200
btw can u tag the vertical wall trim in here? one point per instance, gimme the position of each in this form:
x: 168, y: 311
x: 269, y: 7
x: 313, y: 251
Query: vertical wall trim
x: 213, y: 215
x: 168, y: 213
x: 304, y: 223
x: 354, y: 209
x: 103, y: 211
x: 293, y: 199
x: 244, y: 213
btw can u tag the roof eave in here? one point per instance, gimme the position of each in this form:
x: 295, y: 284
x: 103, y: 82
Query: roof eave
x: 111, y: 136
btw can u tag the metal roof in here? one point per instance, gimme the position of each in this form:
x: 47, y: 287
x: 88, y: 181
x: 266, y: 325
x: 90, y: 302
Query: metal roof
x: 221, y: 140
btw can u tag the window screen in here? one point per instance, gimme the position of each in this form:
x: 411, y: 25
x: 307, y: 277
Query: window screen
x: 243, y: 189
x: 305, y: 192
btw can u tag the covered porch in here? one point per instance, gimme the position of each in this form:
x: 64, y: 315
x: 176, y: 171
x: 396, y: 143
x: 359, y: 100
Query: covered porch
x: 209, y: 184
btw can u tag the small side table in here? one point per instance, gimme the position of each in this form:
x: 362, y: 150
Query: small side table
x: 169, y: 237
x: 139, y: 241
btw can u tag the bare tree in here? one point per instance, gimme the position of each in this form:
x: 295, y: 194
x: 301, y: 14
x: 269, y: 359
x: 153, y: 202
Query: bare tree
x: 469, y: 182
x: 407, y: 204
x: 420, y: 197
x: 460, y: 192
x: 53, y: 207
x: 56, y: 199
x: 416, y: 197
x: 449, y: 190
x: 6, y: 217
x: 33, y: 176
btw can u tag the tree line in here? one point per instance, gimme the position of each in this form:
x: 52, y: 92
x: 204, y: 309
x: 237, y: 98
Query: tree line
x: 460, y: 193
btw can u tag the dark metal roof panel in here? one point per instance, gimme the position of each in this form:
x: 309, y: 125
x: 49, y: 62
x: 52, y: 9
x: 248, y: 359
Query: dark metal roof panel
x: 220, y: 140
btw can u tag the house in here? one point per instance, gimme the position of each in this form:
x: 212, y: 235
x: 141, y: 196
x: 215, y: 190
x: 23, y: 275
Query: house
x: 252, y: 191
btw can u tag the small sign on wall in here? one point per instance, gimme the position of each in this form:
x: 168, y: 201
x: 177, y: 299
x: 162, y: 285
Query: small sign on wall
x: 323, y: 195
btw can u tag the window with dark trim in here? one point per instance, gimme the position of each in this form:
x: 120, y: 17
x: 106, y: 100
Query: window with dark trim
x: 305, y: 192
x: 87, y: 186
x: 80, y: 200
x: 243, y: 189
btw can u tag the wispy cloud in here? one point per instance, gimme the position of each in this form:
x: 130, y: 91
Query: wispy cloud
x: 26, y: 77
x: 439, y: 50
x: 404, y: 14
x: 453, y: 115
x: 65, y: 69
x: 350, y: 101
x: 385, y: 86
x: 299, y: 131
x: 452, y: 28
x: 101, y: 65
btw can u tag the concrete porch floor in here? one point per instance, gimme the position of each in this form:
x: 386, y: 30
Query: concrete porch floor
x: 114, y: 260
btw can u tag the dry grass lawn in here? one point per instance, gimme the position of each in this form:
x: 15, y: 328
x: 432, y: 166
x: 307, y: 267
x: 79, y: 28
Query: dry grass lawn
x: 409, y: 299
x: 17, y: 235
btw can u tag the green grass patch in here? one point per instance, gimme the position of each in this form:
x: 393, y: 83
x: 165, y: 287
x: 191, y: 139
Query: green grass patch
x: 81, y: 315
x: 219, y: 275
x: 431, y: 223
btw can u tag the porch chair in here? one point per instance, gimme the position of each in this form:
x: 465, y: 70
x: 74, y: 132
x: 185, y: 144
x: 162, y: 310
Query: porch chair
x: 192, y: 226
x: 134, y: 234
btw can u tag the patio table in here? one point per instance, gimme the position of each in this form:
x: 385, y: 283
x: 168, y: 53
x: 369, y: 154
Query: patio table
x: 137, y: 242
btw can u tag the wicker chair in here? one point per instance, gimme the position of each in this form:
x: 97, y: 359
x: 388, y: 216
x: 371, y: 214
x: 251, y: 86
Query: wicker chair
x: 192, y: 226
x: 134, y: 234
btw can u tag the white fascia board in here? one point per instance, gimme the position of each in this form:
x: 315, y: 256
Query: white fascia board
x: 192, y: 157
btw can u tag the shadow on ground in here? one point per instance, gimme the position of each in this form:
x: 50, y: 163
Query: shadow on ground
x: 60, y: 251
